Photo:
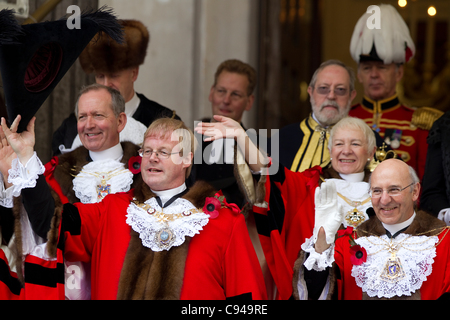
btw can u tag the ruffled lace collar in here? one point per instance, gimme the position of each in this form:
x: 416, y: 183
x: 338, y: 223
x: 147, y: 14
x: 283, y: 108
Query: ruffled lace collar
x: 161, y: 229
x: 385, y: 276
x: 97, y: 179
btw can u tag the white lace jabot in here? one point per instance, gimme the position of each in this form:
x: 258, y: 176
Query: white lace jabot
x: 160, y: 229
x: 416, y: 255
x: 100, y: 178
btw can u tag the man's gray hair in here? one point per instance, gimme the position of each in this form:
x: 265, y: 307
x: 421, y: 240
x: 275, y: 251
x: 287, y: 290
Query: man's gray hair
x: 334, y: 62
x: 117, y: 101
x: 414, y: 177
x: 412, y: 174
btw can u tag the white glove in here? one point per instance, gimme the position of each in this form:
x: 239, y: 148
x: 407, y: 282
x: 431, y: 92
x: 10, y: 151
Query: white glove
x: 444, y: 215
x: 328, y: 212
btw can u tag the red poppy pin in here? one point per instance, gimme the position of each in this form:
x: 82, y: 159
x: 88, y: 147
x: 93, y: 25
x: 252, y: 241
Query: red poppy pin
x: 212, y: 207
x: 134, y: 164
x: 358, y: 254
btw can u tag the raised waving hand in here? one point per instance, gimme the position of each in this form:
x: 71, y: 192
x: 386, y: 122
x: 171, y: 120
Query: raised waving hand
x: 21, y: 143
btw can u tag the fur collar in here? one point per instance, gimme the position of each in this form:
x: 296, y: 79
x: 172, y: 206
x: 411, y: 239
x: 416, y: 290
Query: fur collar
x: 69, y: 165
x: 148, y: 275
x: 423, y: 223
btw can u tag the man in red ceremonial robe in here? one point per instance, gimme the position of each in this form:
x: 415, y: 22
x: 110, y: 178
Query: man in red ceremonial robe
x: 159, y: 240
x: 399, y: 253
x: 42, y: 52
x: 100, y: 167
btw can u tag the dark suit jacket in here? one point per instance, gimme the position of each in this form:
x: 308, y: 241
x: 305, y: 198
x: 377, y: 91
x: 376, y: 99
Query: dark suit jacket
x: 436, y: 180
x: 221, y: 174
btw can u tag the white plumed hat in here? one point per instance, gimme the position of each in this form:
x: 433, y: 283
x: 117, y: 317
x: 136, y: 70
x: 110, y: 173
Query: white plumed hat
x: 382, y: 34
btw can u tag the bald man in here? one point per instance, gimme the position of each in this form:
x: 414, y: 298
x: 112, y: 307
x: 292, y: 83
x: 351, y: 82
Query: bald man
x: 399, y: 253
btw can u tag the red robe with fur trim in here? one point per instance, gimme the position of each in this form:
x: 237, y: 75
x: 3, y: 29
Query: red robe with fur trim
x: 44, y: 279
x: 10, y: 287
x: 343, y: 285
x: 218, y: 263
x: 10, y: 284
x: 436, y: 284
x: 288, y: 220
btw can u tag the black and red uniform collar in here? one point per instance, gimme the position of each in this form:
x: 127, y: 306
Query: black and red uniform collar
x: 381, y: 105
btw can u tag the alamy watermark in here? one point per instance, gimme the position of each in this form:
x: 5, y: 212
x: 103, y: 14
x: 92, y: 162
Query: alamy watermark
x: 222, y: 151
x: 74, y: 21
x: 374, y: 21
x: 73, y: 276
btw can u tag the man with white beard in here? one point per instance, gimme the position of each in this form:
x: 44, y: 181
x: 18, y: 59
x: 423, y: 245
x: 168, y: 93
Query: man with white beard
x: 304, y: 145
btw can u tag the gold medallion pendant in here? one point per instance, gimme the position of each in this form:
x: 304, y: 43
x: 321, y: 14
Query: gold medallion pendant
x: 393, y: 270
x: 103, y: 190
x: 165, y: 238
x: 354, y: 218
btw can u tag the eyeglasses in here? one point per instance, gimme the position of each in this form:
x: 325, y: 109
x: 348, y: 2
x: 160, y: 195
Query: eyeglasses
x: 235, y: 96
x: 159, y: 154
x: 392, y: 192
x: 326, y: 90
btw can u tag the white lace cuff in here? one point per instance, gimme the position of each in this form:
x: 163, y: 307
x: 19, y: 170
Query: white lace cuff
x: 317, y: 261
x: 25, y: 176
x: 6, y: 195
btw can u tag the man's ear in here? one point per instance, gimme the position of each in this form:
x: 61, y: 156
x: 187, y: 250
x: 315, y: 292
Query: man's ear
x: 416, y: 192
x: 251, y: 99
x: 353, y: 95
x: 399, y: 73
x: 187, y: 160
x: 135, y: 74
x: 211, y: 92
x: 121, y: 121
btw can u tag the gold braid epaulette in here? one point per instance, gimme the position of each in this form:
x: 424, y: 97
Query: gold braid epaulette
x: 424, y: 117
